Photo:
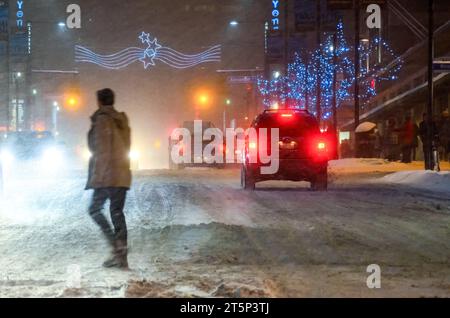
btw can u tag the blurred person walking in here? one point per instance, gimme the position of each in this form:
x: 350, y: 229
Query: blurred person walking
x: 423, y: 133
x: 109, y: 141
x: 390, y: 141
x: 407, y: 139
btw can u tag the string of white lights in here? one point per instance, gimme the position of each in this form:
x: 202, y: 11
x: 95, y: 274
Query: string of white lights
x: 114, y: 66
x: 88, y: 56
x: 153, y: 52
x: 185, y: 65
x: 124, y: 52
x: 184, y: 59
x: 213, y: 50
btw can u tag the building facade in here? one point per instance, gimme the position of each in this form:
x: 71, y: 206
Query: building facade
x: 15, y: 72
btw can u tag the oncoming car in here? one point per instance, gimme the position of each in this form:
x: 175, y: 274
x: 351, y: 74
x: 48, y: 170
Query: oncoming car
x: 37, y: 151
x: 304, y: 151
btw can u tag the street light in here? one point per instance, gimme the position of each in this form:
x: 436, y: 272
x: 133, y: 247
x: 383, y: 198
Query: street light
x: 17, y: 76
x: 227, y: 103
x: 72, y: 101
x: 203, y: 99
x: 234, y: 23
x: 55, y: 112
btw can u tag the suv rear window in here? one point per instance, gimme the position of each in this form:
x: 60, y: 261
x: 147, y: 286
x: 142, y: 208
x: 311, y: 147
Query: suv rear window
x: 297, y: 125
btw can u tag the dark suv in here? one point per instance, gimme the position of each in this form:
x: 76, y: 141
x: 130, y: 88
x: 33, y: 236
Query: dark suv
x: 304, y: 151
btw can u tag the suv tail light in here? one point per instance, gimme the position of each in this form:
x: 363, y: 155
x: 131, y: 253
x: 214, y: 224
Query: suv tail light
x: 322, y: 146
x: 319, y: 148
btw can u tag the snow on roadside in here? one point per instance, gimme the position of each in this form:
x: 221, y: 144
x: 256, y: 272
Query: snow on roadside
x: 375, y: 165
x: 426, y: 180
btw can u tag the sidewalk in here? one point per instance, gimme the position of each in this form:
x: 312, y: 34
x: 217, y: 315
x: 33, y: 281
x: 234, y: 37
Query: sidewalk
x: 357, y: 166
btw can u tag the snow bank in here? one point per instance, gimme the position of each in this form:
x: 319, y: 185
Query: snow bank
x: 376, y: 166
x: 371, y: 165
x: 427, y: 180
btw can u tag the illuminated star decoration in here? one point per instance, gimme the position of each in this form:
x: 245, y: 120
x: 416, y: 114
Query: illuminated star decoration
x: 153, y: 52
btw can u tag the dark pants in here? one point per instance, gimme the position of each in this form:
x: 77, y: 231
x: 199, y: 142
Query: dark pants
x: 428, y: 156
x: 406, y: 154
x: 117, y: 197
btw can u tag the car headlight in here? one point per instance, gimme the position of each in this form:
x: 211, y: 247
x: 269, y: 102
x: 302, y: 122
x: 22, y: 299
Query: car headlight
x: 6, y: 157
x: 87, y: 155
x: 134, y: 155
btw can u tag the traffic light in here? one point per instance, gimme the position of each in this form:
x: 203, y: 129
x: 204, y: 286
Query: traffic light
x: 203, y: 99
x: 72, y: 101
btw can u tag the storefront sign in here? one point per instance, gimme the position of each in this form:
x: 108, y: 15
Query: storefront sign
x: 276, y: 14
x: 19, y: 14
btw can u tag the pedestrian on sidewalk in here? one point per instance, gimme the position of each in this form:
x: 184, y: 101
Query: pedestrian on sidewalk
x: 391, y: 141
x: 109, y: 174
x: 407, y: 139
x: 423, y: 132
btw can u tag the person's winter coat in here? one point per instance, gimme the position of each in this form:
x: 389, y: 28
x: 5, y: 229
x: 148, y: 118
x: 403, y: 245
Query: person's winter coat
x: 408, y: 134
x: 423, y: 132
x: 109, y: 142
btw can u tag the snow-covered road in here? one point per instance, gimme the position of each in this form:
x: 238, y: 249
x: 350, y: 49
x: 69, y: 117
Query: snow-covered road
x: 196, y: 233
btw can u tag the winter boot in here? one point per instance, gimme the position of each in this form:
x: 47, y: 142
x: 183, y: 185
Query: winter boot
x: 119, y: 259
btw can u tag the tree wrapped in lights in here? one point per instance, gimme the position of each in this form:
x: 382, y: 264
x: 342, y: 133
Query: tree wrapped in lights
x: 297, y: 88
x: 386, y: 67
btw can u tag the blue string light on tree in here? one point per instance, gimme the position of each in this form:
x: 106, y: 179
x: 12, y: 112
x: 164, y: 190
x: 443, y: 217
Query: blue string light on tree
x: 148, y: 56
x: 387, y: 66
x: 297, y: 89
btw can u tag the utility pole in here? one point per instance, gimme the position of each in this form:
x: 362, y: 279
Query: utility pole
x: 306, y: 84
x: 335, y: 120
x: 286, y: 48
x: 357, y: 72
x: 8, y: 62
x: 17, y: 110
x: 357, y: 61
x: 319, y: 48
x: 429, y: 164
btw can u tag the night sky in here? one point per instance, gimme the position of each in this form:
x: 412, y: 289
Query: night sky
x: 157, y: 99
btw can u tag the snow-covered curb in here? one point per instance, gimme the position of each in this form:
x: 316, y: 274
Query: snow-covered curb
x: 377, y: 166
x: 426, y: 180
x: 371, y: 165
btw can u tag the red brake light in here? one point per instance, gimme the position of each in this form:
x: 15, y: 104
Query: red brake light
x: 321, y: 146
